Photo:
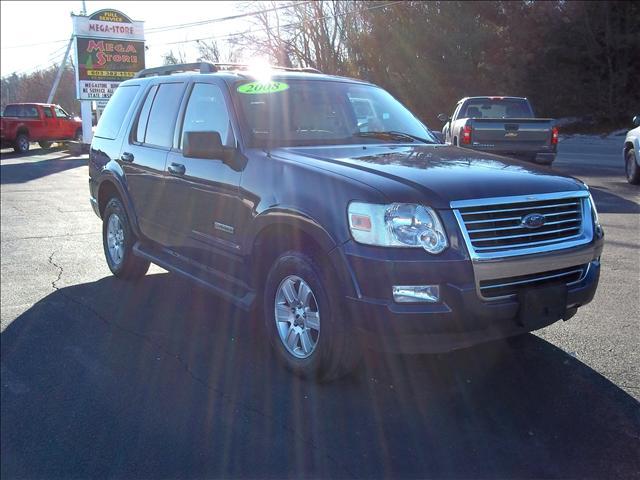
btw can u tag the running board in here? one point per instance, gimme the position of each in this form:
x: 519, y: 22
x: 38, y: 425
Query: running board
x: 239, y: 294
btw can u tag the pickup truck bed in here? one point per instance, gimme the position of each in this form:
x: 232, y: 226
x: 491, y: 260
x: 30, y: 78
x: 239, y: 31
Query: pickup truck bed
x: 489, y: 124
x: 525, y: 137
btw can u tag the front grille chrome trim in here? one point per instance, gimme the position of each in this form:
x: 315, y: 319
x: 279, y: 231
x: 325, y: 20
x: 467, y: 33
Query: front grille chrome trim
x: 583, y: 270
x: 484, y: 202
x: 583, y: 230
x: 513, y: 227
x: 480, y: 212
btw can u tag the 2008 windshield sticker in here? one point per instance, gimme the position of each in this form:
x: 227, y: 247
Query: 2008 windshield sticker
x: 262, y: 87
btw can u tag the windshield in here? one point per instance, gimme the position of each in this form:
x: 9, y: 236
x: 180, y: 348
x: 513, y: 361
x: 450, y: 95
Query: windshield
x: 497, y: 108
x: 303, y: 112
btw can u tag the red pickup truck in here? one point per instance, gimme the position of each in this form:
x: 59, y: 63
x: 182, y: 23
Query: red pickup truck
x: 44, y: 123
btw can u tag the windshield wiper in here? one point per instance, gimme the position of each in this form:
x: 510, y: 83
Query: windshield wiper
x: 392, y: 135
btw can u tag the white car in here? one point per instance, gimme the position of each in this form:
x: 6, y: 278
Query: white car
x: 631, y: 153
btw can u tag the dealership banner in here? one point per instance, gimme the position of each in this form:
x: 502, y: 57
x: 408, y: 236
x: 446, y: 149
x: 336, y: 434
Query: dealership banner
x: 109, y: 49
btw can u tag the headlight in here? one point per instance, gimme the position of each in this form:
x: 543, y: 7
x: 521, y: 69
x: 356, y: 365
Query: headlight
x: 397, y: 225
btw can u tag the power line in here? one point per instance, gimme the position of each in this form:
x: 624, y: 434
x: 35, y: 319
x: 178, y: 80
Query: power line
x: 35, y: 44
x: 266, y: 29
x: 167, y: 28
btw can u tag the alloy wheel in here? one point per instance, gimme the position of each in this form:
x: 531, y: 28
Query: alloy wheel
x: 115, y: 239
x: 297, y: 317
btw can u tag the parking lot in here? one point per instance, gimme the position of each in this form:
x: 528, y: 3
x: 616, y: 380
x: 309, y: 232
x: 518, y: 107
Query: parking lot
x: 159, y: 379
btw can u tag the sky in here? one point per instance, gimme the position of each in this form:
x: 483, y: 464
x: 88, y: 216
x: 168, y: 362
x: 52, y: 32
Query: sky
x: 47, y: 24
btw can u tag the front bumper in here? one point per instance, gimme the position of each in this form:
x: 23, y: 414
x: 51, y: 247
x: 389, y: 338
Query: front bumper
x: 462, y: 317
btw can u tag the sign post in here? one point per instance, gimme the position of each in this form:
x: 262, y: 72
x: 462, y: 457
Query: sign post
x: 109, y: 49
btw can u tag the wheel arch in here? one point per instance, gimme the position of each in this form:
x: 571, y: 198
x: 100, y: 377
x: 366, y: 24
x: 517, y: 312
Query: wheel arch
x: 110, y: 186
x: 277, y: 231
x: 22, y: 130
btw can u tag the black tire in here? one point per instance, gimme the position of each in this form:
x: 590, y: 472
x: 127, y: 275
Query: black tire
x: 128, y: 266
x: 22, y: 143
x: 45, y: 145
x: 336, y: 352
x: 78, y: 136
x: 631, y: 167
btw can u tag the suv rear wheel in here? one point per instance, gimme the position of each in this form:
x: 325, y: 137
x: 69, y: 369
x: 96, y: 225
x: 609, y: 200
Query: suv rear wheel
x: 118, y: 241
x: 304, y: 322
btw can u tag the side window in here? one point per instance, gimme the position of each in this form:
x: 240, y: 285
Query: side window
x: 162, y: 117
x: 143, y: 118
x: 115, y: 111
x: 47, y: 112
x: 11, y: 111
x: 207, y: 112
x: 30, y: 111
x: 60, y: 113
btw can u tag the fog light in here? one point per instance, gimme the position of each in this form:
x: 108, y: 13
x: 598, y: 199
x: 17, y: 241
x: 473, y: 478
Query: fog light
x: 416, y: 293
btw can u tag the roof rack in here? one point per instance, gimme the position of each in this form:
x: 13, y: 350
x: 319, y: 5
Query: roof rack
x: 208, y: 67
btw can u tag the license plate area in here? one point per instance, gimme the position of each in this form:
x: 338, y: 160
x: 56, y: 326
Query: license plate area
x: 542, y: 305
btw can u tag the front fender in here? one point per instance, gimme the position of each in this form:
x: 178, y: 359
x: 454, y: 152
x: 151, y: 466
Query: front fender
x: 291, y: 218
x: 288, y: 218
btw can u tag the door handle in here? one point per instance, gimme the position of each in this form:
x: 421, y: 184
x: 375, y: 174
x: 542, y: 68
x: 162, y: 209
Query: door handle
x: 126, y: 157
x: 176, y: 169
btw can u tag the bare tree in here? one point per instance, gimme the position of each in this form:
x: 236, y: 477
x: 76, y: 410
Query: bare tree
x: 171, y: 58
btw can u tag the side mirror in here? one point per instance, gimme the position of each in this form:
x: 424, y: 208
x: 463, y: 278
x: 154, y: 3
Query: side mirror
x: 636, y: 120
x: 209, y: 145
x: 443, y: 118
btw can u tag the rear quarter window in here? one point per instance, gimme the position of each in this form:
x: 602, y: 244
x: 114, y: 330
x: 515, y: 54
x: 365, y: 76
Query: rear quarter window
x: 21, y: 111
x: 115, y: 112
x: 11, y: 111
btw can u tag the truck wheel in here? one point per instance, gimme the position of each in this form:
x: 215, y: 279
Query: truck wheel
x: 304, y: 322
x: 631, y: 167
x: 45, y: 145
x: 22, y: 143
x: 78, y: 136
x: 118, y: 241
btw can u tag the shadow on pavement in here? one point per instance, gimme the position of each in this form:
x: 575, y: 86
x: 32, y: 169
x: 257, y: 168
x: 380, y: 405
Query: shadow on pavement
x: 24, y: 172
x: 159, y: 379
x: 608, y: 202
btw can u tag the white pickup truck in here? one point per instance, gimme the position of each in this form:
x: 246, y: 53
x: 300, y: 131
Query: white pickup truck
x: 501, y: 125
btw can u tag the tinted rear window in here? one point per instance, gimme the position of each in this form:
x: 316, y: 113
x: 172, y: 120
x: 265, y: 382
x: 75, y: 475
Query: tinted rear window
x: 115, y: 111
x: 497, y: 108
x: 22, y: 111
x: 10, y: 111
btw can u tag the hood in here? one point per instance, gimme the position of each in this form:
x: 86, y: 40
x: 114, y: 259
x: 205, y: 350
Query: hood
x: 442, y: 173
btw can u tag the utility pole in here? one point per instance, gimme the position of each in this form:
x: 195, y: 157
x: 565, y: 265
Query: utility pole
x: 60, y: 70
x: 85, y: 105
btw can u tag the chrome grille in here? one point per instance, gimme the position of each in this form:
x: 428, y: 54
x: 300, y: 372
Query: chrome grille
x: 505, y: 287
x: 496, y: 226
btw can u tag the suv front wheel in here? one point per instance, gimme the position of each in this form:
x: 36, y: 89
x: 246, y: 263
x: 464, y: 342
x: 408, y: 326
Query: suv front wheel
x: 631, y: 167
x: 304, y: 323
x: 118, y: 241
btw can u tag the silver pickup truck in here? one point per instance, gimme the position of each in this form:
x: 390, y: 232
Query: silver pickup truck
x: 501, y: 125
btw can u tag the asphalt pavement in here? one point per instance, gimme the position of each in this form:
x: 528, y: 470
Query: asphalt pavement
x: 160, y: 379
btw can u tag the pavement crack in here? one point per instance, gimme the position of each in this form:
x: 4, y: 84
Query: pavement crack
x: 54, y: 284
x: 184, y: 365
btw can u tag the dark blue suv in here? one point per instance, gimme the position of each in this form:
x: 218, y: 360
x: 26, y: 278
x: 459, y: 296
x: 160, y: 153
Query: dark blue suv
x: 325, y: 205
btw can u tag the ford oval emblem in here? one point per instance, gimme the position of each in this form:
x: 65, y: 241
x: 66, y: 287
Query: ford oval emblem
x: 533, y: 220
